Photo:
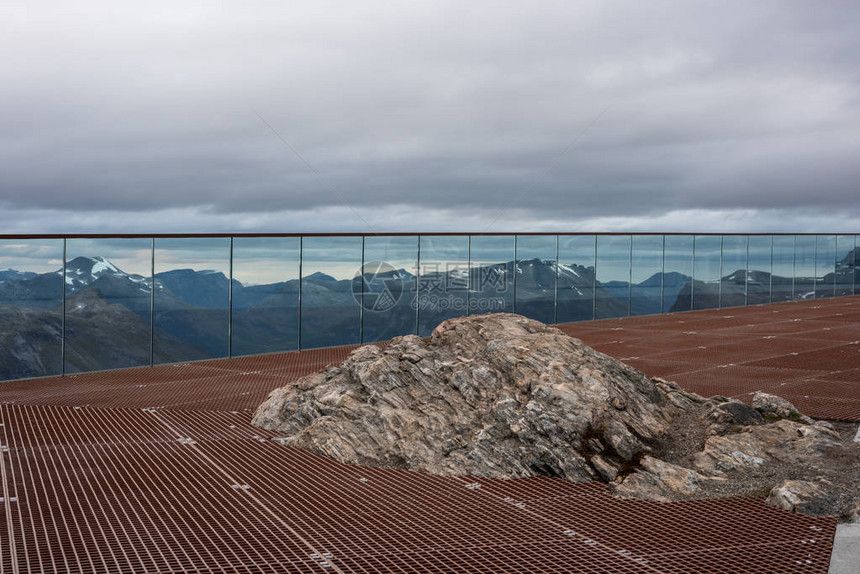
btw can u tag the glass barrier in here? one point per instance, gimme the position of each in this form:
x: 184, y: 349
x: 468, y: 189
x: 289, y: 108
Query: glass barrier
x: 491, y: 271
x: 612, y: 297
x: 330, y: 297
x: 646, y: 290
x: 191, y: 299
x: 760, y: 269
x: 844, y: 280
x: 576, y: 278
x: 31, y: 308
x: 108, y: 303
x: 443, y: 282
x: 857, y: 264
x: 389, y: 287
x: 707, y: 272
x: 536, y: 277
x: 222, y: 296
x: 825, y: 266
x: 265, y: 295
x: 678, y: 273
x: 782, y: 279
x: 733, y: 280
x: 804, y: 267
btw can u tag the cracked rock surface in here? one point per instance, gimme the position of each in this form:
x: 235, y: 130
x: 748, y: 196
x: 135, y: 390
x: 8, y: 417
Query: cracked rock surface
x: 504, y: 396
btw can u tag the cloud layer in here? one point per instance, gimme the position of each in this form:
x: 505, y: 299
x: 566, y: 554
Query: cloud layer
x: 323, y: 116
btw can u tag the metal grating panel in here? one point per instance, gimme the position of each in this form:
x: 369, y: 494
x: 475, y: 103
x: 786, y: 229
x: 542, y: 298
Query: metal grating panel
x: 116, y: 490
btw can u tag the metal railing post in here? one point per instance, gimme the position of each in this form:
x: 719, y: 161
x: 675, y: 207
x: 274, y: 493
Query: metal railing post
x: 555, y: 297
x: 361, y: 295
x: 630, y: 277
x: 299, y: 302
x: 230, y: 305
x: 516, y: 266
x: 418, y: 289
x: 693, y: 273
x: 468, y: 274
x: 63, y: 328
x: 594, y: 283
x: 152, y: 303
x: 720, y: 276
x: 663, y: 278
x: 770, y: 275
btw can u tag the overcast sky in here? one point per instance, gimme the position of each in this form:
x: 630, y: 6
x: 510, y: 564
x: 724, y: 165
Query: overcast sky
x: 171, y: 116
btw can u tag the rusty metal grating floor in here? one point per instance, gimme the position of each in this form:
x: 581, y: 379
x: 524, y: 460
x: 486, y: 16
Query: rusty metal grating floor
x: 158, y: 470
x: 131, y: 490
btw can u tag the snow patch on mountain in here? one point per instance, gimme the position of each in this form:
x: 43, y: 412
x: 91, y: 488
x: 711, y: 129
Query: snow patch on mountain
x: 560, y: 267
x: 102, y: 265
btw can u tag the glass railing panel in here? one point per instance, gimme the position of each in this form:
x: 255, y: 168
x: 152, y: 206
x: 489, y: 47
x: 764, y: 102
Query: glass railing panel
x: 857, y: 264
x: 331, y: 313
x: 782, y: 280
x: 536, y: 277
x: 191, y: 298
x: 389, y: 287
x: 443, y: 283
x: 844, y: 265
x: 759, y: 274
x: 491, y: 270
x: 825, y: 266
x: 804, y: 267
x: 646, y: 290
x: 265, y: 295
x: 678, y: 273
x: 612, y: 298
x: 733, y: 287
x: 108, y: 303
x: 575, y: 278
x: 706, y: 272
x: 31, y: 307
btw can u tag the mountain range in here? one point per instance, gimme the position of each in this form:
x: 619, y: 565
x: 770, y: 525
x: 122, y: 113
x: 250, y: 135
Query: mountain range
x: 108, y: 310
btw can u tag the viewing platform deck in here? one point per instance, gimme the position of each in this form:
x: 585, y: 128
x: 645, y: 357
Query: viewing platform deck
x: 157, y: 469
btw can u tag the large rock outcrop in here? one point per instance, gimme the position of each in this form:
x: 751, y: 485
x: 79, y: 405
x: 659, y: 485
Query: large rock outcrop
x: 492, y: 395
x: 504, y: 396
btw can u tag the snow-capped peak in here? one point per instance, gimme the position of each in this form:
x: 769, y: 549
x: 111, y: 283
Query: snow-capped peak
x: 102, y: 265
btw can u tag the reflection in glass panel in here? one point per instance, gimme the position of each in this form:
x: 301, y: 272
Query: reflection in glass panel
x: 825, y: 266
x: 706, y: 272
x: 782, y: 280
x: 265, y: 295
x: 678, y: 273
x: 575, y: 278
x: 612, y: 298
x: 758, y: 277
x: 646, y: 291
x: 443, y: 283
x: 191, y: 298
x: 389, y: 282
x: 108, y: 303
x: 492, y: 274
x: 31, y: 305
x: 330, y: 314
x: 804, y: 267
x: 536, y: 277
x: 844, y: 265
x: 857, y: 264
x: 733, y: 288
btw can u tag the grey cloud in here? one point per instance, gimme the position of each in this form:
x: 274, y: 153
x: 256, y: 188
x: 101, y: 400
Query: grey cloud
x: 432, y: 106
